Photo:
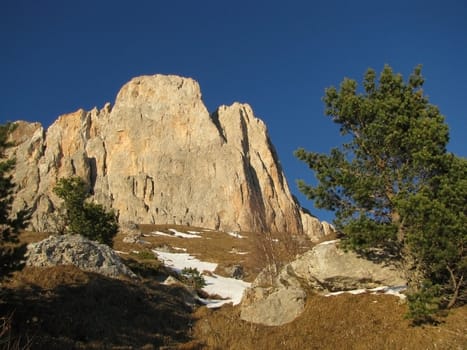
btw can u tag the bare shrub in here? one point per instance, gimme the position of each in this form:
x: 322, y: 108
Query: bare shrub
x: 7, y: 339
x: 271, y: 251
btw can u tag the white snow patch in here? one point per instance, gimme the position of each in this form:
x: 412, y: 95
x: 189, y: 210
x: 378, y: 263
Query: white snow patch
x: 159, y: 233
x: 235, y: 234
x: 194, y: 232
x: 238, y: 252
x: 184, y: 235
x: 175, y: 234
x: 178, y: 261
x: 142, y: 241
x: 177, y: 248
x: 391, y: 290
x: 229, y: 288
x: 120, y: 252
x: 396, y: 291
x: 329, y: 242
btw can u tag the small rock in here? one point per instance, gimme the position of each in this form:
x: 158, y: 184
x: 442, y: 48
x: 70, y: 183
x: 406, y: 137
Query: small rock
x: 132, y: 238
x: 237, y: 272
x: 130, y: 225
x: 234, y: 271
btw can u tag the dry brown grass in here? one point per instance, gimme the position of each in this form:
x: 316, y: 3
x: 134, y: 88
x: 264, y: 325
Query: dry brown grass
x: 63, y: 307
x: 273, y: 250
x: 363, y: 322
x: 8, y: 339
x: 214, y: 246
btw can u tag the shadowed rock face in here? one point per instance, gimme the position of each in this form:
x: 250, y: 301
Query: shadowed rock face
x: 158, y: 156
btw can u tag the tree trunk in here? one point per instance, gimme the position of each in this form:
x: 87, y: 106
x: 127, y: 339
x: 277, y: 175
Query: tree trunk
x: 456, y: 285
x: 396, y: 221
x: 412, y: 270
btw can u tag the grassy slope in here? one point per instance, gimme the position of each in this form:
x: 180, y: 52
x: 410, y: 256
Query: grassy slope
x: 63, y: 307
x: 344, y: 322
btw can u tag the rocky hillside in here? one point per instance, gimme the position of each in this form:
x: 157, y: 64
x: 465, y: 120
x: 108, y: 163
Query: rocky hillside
x: 158, y: 156
x: 77, y: 309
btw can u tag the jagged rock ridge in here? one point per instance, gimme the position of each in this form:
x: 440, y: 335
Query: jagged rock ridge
x: 158, y: 156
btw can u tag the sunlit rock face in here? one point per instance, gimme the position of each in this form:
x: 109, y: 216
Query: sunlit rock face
x: 279, y: 299
x: 158, y: 156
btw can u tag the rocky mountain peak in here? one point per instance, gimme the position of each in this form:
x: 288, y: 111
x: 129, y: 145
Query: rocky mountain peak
x: 158, y: 156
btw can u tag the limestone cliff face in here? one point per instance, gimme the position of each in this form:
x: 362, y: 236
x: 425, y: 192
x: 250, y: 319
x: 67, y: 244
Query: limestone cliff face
x: 158, y: 156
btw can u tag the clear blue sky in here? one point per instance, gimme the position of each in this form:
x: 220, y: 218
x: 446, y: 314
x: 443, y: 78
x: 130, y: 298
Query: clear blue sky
x: 278, y: 56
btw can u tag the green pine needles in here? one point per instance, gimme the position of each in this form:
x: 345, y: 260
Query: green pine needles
x: 88, y: 219
x: 393, y: 185
x: 8, y: 227
x: 10, y: 222
x: 192, y: 277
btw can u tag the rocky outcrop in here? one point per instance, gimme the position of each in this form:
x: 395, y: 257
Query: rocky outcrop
x: 78, y: 251
x: 158, y: 156
x: 328, y: 268
x: 272, y: 306
x: 318, y: 230
x: 323, y: 269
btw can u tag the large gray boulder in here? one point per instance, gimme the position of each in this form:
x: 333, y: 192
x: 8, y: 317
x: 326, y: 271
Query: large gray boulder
x: 273, y: 307
x: 325, y: 268
x: 78, y: 251
x: 158, y: 156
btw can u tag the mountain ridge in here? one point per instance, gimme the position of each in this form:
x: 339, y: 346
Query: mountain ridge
x: 158, y: 156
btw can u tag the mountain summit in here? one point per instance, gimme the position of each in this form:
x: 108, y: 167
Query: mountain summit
x: 158, y: 156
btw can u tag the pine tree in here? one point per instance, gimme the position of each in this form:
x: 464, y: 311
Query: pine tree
x: 436, y: 221
x: 10, y: 223
x: 391, y: 172
x: 90, y: 220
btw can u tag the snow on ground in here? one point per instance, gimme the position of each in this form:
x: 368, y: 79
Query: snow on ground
x: 328, y: 242
x: 235, y: 234
x: 393, y: 290
x: 229, y: 288
x: 176, y: 233
x: 177, y: 248
x: 178, y: 261
x: 235, y: 251
x: 121, y: 252
x: 190, y: 234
